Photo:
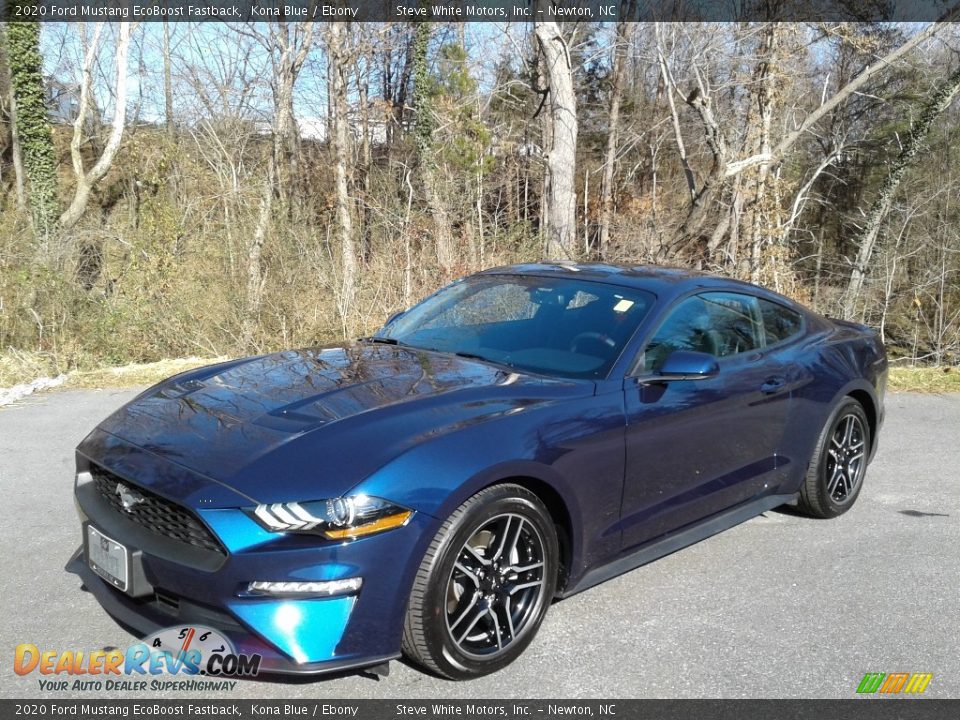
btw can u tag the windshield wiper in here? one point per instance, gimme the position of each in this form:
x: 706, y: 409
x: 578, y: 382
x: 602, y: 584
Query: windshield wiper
x: 471, y: 356
x: 379, y: 339
x: 481, y: 358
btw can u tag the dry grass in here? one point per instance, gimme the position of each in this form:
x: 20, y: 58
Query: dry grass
x: 17, y: 366
x: 135, y: 374
x: 23, y: 367
x: 944, y: 379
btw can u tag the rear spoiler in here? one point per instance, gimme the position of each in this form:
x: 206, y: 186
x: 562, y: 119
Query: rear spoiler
x: 852, y: 325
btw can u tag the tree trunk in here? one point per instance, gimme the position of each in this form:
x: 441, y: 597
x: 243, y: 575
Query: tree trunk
x: 337, y: 67
x: 762, y: 106
x: 255, y: 279
x: 288, y: 53
x: 366, y: 157
x: 167, y: 81
x: 561, y: 216
x: 701, y: 203
x: 18, y: 173
x: 620, y: 55
x: 32, y: 125
x: 442, y: 237
x: 870, y: 232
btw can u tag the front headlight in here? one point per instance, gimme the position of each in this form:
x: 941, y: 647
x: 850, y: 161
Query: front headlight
x: 342, y: 518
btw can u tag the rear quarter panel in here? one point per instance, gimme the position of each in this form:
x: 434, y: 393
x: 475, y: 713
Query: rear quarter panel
x: 835, y: 360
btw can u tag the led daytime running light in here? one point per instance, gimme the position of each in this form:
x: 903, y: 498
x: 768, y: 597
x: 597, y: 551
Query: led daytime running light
x: 329, y: 588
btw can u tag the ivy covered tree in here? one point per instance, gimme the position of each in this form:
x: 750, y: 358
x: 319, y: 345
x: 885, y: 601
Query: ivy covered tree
x: 32, y: 123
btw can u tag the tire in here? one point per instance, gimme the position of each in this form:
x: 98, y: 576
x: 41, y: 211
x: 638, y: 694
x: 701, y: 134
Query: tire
x: 835, y: 476
x: 480, y: 595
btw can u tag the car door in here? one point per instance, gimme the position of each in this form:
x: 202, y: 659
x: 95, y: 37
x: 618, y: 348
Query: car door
x: 697, y: 447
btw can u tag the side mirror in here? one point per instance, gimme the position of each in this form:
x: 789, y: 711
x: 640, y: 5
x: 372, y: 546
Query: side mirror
x: 688, y: 365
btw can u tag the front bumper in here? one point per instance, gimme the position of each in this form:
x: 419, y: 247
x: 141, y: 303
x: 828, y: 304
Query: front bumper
x: 173, y: 584
x: 149, y: 615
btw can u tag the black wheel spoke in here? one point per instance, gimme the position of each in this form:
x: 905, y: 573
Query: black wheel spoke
x: 475, y: 559
x: 496, y: 628
x: 848, y: 432
x: 509, y: 613
x: 834, y: 479
x: 468, y: 618
x: 467, y: 572
x: 507, y: 540
x: 517, y: 587
x: 524, y: 568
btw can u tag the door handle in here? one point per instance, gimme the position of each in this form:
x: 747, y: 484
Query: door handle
x: 773, y: 384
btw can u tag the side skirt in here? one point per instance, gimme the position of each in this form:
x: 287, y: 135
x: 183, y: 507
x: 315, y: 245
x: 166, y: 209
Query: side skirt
x: 679, y: 540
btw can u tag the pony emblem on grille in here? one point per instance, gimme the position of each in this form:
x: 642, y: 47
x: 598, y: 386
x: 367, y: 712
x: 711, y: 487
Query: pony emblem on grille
x: 129, y: 498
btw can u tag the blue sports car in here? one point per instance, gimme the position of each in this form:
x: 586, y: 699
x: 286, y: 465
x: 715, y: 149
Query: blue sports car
x: 518, y: 436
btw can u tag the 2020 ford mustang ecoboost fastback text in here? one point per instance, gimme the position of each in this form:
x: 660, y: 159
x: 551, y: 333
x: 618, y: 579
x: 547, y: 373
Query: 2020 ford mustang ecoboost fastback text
x: 520, y: 435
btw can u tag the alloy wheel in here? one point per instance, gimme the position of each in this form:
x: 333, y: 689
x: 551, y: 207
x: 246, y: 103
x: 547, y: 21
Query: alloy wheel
x: 846, y: 459
x: 496, y: 586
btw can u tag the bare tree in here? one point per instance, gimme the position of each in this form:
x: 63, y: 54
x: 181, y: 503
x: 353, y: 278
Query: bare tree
x: 723, y: 168
x: 87, y: 180
x: 167, y: 80
x: 561, y: 151
x: 882, y: 64
x: 442, y: 237
x: 255, y: 276
x: 621, y: 47
x: 338, y: 64
x: 288, y: 52
x: 287, y: 45
x: 940, y: 100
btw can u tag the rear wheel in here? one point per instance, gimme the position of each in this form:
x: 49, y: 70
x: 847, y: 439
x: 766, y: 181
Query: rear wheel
x: 484, y: 585
x: 835, y: 476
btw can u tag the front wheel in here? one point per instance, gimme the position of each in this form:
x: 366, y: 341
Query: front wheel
x: 835, y: 476
x: 484, y: 585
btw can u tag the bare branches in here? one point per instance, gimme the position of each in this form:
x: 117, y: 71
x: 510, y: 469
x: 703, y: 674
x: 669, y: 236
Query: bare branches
x: 881, y: 65
x: 86, y: 181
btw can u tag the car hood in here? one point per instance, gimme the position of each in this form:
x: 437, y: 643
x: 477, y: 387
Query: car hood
x: 310, y: 424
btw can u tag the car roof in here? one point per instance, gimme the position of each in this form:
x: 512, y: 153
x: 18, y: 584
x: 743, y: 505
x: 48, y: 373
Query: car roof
x: 657, y: 279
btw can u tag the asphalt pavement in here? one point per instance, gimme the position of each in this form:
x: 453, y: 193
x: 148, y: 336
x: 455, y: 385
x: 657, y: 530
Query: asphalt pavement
x: 781, y: 606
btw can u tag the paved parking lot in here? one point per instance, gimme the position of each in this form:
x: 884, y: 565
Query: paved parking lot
x: 781, y: 606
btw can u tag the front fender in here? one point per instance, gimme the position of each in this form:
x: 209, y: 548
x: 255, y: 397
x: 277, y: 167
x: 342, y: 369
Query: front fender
x: 575, y: 448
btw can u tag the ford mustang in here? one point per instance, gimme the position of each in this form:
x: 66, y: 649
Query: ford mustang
x: 520, y: 435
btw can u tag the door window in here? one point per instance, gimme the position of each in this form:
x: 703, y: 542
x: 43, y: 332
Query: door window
x: 719, y: 324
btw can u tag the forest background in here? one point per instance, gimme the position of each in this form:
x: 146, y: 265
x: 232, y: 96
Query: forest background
x: 174, y: 190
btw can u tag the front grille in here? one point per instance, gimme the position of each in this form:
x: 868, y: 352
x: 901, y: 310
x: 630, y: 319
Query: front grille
x: 156, y: 514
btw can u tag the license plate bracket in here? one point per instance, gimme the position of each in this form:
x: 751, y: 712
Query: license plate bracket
x: 108, y: 558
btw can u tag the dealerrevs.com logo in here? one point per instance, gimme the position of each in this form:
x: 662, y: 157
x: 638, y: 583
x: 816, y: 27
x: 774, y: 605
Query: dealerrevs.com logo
x: 189, y: 651
x: 894, y: 683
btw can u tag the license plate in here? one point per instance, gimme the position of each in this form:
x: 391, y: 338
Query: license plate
x: 107, y: 558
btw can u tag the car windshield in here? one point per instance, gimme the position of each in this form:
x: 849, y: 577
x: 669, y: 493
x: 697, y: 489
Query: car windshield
x: 564, y: 327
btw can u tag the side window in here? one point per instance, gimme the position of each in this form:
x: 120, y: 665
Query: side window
x: 779, y: 323
x: 735, y: 324
x: 719, y: 324
x: 686, y: 328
